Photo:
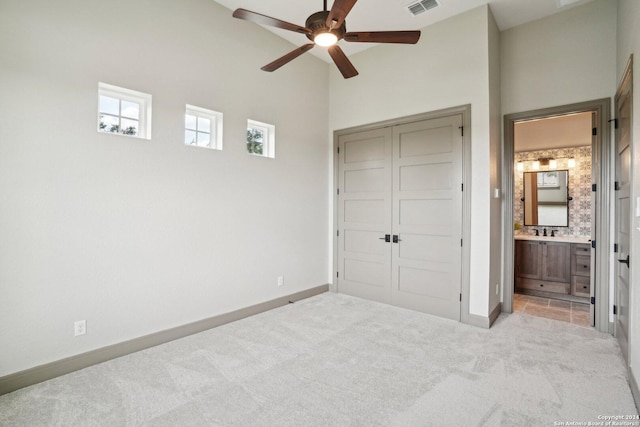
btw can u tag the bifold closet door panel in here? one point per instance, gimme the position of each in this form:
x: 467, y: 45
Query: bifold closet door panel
x: 427, y: 216
x: 364, y: 214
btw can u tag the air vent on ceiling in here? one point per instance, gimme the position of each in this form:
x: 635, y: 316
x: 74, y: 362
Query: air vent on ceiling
x: 422, y: 6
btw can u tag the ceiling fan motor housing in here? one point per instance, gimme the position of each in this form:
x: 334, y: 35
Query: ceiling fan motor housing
x: 317, y: 23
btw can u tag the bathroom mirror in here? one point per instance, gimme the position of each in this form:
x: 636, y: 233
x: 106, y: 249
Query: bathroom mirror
x: 546, y: 198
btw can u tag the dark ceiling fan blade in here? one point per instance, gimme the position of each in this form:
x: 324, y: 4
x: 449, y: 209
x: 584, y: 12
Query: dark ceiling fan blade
x: 339, y: 12
x: 267, y: 20
x: 288, y: 57
x: 342, y: 62
x: 407, y: 37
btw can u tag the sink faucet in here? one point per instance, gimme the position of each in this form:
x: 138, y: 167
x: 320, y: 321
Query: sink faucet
x: 544, y: 233
x: 553, y: 233
x: 537, y: 232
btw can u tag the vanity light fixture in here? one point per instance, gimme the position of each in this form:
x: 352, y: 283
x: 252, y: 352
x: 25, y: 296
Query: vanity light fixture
x: 545, y: 161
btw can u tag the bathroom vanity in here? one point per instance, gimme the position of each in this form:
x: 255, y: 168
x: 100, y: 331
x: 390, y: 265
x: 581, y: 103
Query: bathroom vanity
x: 554, y: 267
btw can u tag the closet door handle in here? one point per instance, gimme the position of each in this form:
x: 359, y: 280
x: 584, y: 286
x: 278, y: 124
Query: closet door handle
x: 396, y: 239
x: 386, y: 238
x: 624, y: 261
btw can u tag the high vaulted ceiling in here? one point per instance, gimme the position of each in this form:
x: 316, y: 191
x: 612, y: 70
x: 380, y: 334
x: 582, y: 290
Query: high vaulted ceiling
x: 385, y: 15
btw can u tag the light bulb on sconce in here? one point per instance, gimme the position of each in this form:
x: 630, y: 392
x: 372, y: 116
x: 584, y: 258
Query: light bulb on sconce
x: 553, y: 164
x: 571, y: 163
x: 536, y: 165
x: 520, y: 167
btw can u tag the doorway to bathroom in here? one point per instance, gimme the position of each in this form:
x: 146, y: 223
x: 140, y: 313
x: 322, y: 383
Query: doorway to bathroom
x: 556, y: 210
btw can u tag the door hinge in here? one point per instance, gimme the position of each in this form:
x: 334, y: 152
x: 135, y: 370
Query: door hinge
x: 594, y: 131
x: 615, y: 309
x: 337, y: 274
x: 461, y: 297
x: 338, y: 191
x: 337, y: 233
x: 461, y: 130
x: 593, y: 244
x: 616, y: 186
x: 460, y: 242
x: 594, y: 187
x: 615, y: 247
x: 593, y: 300
x: 338, y: 150
x: 462, y: 187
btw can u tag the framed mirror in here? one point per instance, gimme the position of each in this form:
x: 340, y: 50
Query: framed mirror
x: 546, y: 198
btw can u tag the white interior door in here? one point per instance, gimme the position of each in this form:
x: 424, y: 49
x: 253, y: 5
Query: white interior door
x: 427, y: 216
x: 364, y: 214
x: 623, y: 213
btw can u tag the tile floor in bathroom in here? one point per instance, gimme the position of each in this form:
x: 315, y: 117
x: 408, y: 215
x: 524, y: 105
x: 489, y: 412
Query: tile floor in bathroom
x: 566, y: 311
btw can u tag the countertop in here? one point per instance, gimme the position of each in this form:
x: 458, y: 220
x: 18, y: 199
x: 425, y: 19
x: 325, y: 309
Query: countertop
x: 564, y: 239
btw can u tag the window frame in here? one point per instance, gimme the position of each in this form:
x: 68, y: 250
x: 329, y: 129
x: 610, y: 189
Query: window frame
x: 269, y: 138
x: 128, y: 95
x: 215, y: 134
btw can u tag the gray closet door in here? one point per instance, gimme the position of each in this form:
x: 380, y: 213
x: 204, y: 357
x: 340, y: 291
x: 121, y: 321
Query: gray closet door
x: 403, y: 182
x: 427, y: 216
x: 364, y: 214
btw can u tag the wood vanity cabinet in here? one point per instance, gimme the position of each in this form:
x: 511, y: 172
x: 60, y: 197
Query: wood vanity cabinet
x: 543, y: 266
x: 581, y: 270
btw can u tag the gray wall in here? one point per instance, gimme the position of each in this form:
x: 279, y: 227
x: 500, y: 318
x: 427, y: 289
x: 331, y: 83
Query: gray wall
x: 495, y: 158
x: 138, y: 236
x: 561, y: 59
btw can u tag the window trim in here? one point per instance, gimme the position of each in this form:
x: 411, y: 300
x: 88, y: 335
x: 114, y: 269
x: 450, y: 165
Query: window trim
x: 269, y: 140
x: 129, y: 95
x: 216, y: 118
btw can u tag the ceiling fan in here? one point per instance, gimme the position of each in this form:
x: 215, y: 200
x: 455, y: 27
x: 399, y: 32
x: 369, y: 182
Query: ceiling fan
x: 326, y: 28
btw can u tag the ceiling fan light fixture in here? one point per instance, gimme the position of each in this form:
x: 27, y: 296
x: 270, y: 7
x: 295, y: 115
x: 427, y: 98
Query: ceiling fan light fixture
x: 325, y: 39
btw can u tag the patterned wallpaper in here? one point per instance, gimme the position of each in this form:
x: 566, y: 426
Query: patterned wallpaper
x: 579, y: 188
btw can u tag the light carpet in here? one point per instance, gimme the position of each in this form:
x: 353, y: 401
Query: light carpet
x: 335, y: 360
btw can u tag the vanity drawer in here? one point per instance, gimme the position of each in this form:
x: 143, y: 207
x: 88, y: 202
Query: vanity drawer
x: 542, y: 285
x: 581, y: 249
x: 581, y: 286
x: 581, y: 265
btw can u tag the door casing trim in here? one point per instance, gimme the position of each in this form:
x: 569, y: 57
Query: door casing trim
x: 465, y: 111
x: 602, y: 163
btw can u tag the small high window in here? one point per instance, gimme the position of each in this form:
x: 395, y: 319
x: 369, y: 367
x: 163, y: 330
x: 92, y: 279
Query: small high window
x: 202, y: 128
x: 261, y: 139
x: 124, y: 111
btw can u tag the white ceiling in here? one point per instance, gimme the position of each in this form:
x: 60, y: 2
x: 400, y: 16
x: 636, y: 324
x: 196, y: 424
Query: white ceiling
x: 386, y: 15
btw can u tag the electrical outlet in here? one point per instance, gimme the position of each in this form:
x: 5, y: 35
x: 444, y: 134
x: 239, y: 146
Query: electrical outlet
x: 280, y: 280
x: 79, y: 328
